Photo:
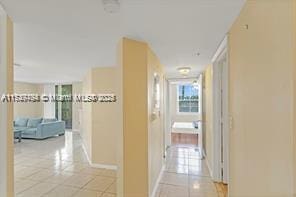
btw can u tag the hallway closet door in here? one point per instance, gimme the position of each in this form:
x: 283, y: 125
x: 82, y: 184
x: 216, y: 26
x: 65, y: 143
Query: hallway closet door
x: 221, y: 116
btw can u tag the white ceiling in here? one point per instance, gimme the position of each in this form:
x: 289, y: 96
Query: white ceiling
x: 57, y: 41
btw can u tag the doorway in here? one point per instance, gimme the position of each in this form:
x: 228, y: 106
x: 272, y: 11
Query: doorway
x: 63, y: 110
x: 183, y: 126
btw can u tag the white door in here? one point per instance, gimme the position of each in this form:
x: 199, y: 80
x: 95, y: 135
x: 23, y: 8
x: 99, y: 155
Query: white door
x: 224, y: 118
x: 221, y: 117
x: 167, y: 117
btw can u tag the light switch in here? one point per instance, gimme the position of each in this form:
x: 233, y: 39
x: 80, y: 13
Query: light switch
x: 230, y: 122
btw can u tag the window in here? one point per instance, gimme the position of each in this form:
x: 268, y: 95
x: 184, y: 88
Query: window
x: 188, y: 101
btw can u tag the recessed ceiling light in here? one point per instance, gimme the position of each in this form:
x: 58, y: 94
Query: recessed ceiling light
x: 111, y: 6
x: 184, y: 70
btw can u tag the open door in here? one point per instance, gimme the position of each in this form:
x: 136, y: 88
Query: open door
x: 167, y: 119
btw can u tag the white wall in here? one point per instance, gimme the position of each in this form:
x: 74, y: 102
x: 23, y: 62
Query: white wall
x: 49, y: 107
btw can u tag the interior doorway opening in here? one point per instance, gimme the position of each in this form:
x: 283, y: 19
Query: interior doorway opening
x: 63, y: 110
x: 184, y: 113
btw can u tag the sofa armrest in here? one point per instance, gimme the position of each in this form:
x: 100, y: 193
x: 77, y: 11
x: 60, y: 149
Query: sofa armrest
x: 49, y: 129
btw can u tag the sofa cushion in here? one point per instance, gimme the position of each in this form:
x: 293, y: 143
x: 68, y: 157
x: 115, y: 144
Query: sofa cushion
x: 47, y: 120
x: 21, y: 122
x: 30, y: 131
x: 19, y: 128
x: 34, y: 122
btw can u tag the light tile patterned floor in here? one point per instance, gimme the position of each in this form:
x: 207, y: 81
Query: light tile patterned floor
x: 186, y: 175
x: 58, y: 167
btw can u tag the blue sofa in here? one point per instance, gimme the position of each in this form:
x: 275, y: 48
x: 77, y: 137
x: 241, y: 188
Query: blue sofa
x: 39, y: 128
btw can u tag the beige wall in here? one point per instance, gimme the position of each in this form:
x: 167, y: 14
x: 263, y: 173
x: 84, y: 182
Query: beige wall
x: 105, y: 116
x: 10, y: 146
x: 155, y: 126
x: 142, y: 133
x: 294, y: 84
x: 101, y: 120
x: 208, y: 117
x: 135, y: 119
x: 86, y: 132
x: 28, y: 109
x: 261, y: 99
x: 77, y: 107
x: 6, y: 109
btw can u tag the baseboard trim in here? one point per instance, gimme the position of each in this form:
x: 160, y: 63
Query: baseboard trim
x: 97, y: 165
x: 158, y: 181
x: 108, y: 167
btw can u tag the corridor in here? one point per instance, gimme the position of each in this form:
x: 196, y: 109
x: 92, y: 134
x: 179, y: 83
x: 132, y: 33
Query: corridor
x: 186, y: 175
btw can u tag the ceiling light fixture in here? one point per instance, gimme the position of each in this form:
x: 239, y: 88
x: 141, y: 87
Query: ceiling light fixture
x: 184, y: 70
x: 111, y: 6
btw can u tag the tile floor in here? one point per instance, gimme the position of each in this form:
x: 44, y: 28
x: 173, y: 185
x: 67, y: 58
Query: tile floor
x: 186, y: 175
x: 58, y: 167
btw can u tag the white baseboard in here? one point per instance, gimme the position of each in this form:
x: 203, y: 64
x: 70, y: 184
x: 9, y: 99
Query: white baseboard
x: 158, y: 181
x: 108, y: 167
x: 97, y: 165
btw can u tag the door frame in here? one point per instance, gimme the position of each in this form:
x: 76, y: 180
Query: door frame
x: 221, y: 123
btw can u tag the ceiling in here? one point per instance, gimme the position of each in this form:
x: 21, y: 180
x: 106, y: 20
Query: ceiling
x: 57, y: 41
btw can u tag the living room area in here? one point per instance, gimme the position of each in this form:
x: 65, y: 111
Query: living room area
x: 49, y: 156
x: 36, y: 119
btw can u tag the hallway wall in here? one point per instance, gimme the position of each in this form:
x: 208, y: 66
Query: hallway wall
x: 77, y: 108
x: 208, y: 117
x: 261, y: 99
x: 6, y: 109
x: 294, y: 84
x: 294, y: 96
x: 105, y: 116
x: 142, y: 131
x: 155, y: 125
x: 86, y: 132
x: 101, y: 120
